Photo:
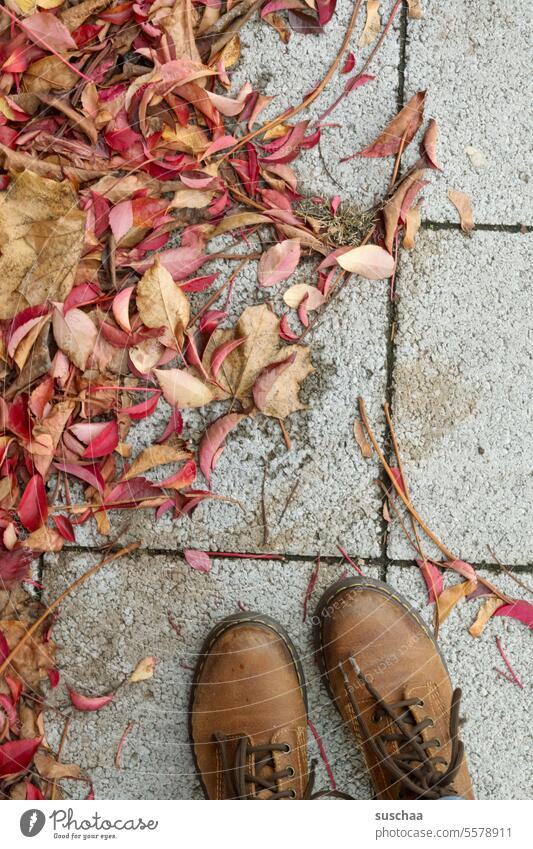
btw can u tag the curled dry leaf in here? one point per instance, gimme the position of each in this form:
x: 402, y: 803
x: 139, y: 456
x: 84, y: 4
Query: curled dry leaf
x: 41, y: 238
x: 372, y: 23
x: 368, y: 261
x: 403, y: 126
x: 463, y: 205
x: 88, y: 703
x: 161, y: 303
x: 48, y: 767
x: 75, y: 334
x: 157, y: 455
x: 429, y: 145
x: 313, y: 297
x: 278, y: 262
x: 182, y: 389
x: 144, y: 669
x: 489, y: 606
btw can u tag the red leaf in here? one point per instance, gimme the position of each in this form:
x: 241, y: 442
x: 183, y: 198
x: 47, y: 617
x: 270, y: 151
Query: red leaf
x: 521, y: 610
x: 433, y: 578
x: 349, y: 64
x: 220, y: 354
x: 90, y: 474
x: 88, y: 703
x: 267, y: 378
x: 33, y: 506
x: 17, y: 755
x: 284, y: 330
x: 143, y: 408
x: 464, y: 569
x: 211, y: 444
x: 103, y: 444
x: 429, y: 145
x: 181, y: 479
x: 175, y: 425
x: 198, y: 560
x: 198, y: 284
x: 211, y: 320
x: 64, y: 526
x: 53, y: 677
x: 397, y: 475
x: 4, y: 647
x: 14, y: 567
x: 32, y: 792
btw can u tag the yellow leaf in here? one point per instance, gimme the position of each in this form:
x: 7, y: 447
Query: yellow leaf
x: 182, y: 389
x: 144, y: 669
x: 161, y: 303
x: 157, y: 455
x: 447, y: 600
x: 484, y: 614
x: 463, y: 205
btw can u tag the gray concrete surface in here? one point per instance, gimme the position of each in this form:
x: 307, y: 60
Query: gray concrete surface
x: 457, y: 371
x: 462, y: 391
x: 471, y: 57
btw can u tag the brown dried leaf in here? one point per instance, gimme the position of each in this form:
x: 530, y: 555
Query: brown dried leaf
x: 372, y: 23
x: 48, y: 73
x: 413, y: 219
x: 403, y: 126
x: 41, y: 238
x: 49, y: 768
x: 415, y: 8
x: 361, y: 439
x: 161, y: 303
x: 463, y: 205
x: 157, y: 455
x: 261, y: 348
x: 484, y: 614
x: 179, y: 26
x: 143, y: 670
x: 391, y: 210
x: 79, y: 12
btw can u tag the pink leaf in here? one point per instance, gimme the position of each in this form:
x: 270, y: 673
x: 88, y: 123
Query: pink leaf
x: 397, y: 475
x: 219, y: 144
x: 89, y: 474
x: 198, y: 560
x: 349, y: 64
x: 48, y: 31
x: 464, y: 569
x: 211, y: 320
x: 88, y: 703
x: 220, y: 354
x: 211, y: 444
x: 14, y: 567
x: 121, y: 305
x: 175, y: 425
x: 429, y: 145
x: 103, y: 444
x: 279, y: 262
x: 370, y: 261
x: 181, y: 479
x: 17, y: 755
x: 33, y: 506
x: 521, y: 610
x: 267, y: 378
x: 284, y: 330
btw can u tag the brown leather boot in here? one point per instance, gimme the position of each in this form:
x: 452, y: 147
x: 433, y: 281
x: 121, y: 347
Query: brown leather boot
x: 389, y: 682
x: 248, y: 713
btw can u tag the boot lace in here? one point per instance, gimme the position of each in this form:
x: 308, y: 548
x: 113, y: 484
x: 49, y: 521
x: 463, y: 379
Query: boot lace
x: 241, y: 783
x: 411, y: 765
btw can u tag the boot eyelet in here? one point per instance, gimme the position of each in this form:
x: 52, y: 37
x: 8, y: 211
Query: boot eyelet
x: 292, y: 794
x: 438, y: 744
x: 290, y: 771
x: 287, y: 750
x: 421, y: 703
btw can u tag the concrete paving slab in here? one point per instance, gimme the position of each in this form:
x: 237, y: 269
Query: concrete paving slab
x: 462, y: 391
x: 121, y: 616
x: 359, y: 118
x: 318, y: 493
x: 496, y: 713
x: 471, y: 58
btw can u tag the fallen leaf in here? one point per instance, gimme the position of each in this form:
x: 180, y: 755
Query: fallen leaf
x: 120, y: 747
x: 33, y: 506
x: 211, y: 444
x: 88, y: 703
x: 415, y: 8
x: 449, y: 597
x: 182, y: 389
x: 267, y: 378
x: 48, y: 767
x: 489, y: 606
x: 521, y: 610
x: 429, y: 145
x: 294, y: 296
x: 476, y: 157
x: 361, y: 439
x: 370, y: 261
x: 144, y: 670
x: 198, y: 560
x: 403, y: 126
x: 413, y: 221
x: 17, y: 755
x: 278, y: 262
x: 392, y: 211
x: 75, y: 334
x: 157, y: 455
x: 41, y: 238
x: 49, y: 32
x: 463, y: 205
x: 372, y: 23
x: 49, y: 73
x: 161, y: 303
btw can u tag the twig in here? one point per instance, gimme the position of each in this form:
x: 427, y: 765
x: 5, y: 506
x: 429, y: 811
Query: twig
x: 440, y: 545
x: 246, y: 556
x: 349, y: 559
x: 323, y: 755
x: 509, y: 573
x: 38, y: 622
x: 508, y: 665
x: 285, y: 434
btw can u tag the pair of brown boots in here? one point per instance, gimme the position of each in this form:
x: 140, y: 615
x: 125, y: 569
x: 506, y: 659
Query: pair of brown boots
x: 383, y: 670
